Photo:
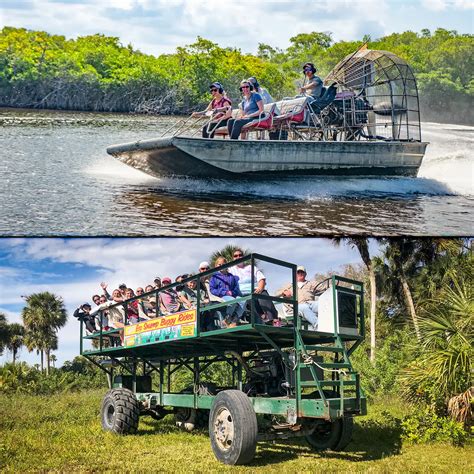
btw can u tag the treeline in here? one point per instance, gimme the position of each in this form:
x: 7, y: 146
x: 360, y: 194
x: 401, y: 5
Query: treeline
x: 97, y: 73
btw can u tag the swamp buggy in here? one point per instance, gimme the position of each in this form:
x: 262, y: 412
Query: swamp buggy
x: 299, y: 382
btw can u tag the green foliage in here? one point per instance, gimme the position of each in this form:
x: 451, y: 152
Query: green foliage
x: 393, y: 353
x: 428, y: 427
x: 98, y: 73
x: 21, y: 378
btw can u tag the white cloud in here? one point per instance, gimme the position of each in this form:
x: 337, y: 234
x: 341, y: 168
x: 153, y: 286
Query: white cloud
x: 442, y: 5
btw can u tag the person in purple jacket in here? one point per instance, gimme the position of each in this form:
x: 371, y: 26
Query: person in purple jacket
x: 225, y: 285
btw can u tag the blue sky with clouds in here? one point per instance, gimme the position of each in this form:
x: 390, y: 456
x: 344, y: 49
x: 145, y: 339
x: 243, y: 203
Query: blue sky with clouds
x: 73, y: 269
x: 159, y: 26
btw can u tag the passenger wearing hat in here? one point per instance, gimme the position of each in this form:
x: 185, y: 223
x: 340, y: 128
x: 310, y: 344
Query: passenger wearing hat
x: 83, y: 314
x: 157, y: 283
x: 251, y: 108
x: 306, y: 293
x: 219, y: 109
x: 313, y: 85
x: 266, y: 97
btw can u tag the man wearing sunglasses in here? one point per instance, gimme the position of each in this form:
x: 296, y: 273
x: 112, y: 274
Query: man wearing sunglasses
x: 219, y: 109
x: 313, y: 84
x: 251, y: 108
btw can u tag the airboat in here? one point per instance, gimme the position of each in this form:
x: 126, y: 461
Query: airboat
x: 300, y: 382
x: 366, y: 122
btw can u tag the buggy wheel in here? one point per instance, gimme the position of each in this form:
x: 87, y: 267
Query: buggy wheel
x: 333, y: 435
x: 233, y: 427
x: 120, y: 411
x: 188, y: 419
x: 185, y: 419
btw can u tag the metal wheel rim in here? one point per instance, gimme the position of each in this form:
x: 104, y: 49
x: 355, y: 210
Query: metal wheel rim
x: 224, y: 429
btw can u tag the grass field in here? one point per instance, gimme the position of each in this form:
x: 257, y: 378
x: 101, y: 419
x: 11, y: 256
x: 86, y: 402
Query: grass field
x: 63, y: 433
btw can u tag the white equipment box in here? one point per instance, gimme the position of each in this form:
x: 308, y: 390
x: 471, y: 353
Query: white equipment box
x: 346, y: 310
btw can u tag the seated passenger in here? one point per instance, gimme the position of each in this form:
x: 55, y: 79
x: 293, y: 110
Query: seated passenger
x: 266, y: 97
x: 225, y: 285
x: 132, y: 307
x: 169, y: 300
x: 220, y: 107
x: 313, y: 85
x: 266, y: 311
x: 148, y: 303
x: 83, y: 314
x: 306, y: 293
x: 251, y: 108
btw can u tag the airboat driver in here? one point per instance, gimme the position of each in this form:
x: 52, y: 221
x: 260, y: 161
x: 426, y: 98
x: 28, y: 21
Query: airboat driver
x: 220, y: 109
x: 305, y: 294
x: 313, y: 85
x: 251, y: 108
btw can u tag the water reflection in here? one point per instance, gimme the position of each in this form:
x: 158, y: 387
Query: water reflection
x: 170, y: 214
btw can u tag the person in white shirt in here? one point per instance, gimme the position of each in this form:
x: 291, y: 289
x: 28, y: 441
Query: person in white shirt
x: 265, y: 309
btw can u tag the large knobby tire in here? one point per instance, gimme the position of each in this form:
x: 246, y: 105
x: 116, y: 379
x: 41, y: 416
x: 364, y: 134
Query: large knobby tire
x: 120, y: 411
x: 331, y: 435
x: 233, y: 427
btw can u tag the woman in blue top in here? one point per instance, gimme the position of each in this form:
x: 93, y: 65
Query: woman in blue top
x: 251, y: 108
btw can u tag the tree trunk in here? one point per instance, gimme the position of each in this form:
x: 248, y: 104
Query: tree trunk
x: 373, y: 308
x: 14, y: 356
x: 48, y: 362
x: 411, y: 305
x: 42, y: 361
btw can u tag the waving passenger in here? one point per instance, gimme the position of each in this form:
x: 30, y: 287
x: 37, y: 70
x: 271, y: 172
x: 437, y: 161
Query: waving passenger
x: 220, y: 109
x: 251, y: 108
x: 313, y: 85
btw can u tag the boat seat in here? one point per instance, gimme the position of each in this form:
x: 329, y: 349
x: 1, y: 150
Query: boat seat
x: 264, y: 121
x: 293, y: 110
x: 222, y: 131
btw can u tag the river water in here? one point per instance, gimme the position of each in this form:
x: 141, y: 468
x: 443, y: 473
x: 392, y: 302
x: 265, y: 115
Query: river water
x: 57, y: 179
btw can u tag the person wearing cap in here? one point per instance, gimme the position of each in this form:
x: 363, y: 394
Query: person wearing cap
x: 219, y: 109
x: 306, y: 293
x: 83, y: 313
x: 251, y: 108
x: 169, y: 299
x: 211, y: 317
x: 313, y: 85
x: 266, y: 97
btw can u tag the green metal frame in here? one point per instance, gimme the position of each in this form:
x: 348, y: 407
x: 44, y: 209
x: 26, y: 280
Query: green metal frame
x: 300, y: 350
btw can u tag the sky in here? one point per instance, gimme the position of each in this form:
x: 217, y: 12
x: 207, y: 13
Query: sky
x: 73, y: 269
x: 159, y: 26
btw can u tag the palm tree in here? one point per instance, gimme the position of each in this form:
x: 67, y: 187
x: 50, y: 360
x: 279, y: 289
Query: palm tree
x: 362, y: 245
x: 16, y: 334
x: 447, y: 345
x: 43, y: 315
x: 227, y: 252
x: 53, y: 359
x: 3, y: 332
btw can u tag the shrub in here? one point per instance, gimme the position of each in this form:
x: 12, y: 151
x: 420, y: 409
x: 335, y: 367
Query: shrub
x: 427, y: 426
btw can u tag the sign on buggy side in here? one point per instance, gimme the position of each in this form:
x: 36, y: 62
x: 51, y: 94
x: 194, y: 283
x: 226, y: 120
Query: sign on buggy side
x: 175, y: 326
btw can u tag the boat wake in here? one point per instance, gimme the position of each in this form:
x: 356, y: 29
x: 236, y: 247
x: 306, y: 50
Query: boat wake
x: 447, y: 170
